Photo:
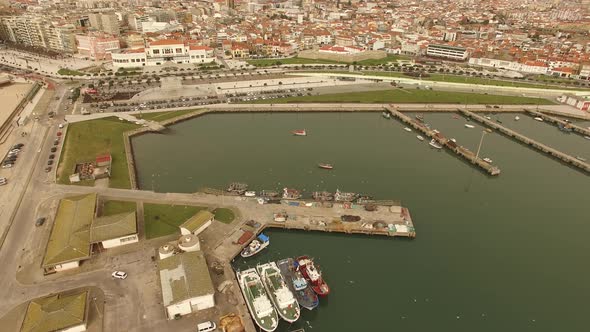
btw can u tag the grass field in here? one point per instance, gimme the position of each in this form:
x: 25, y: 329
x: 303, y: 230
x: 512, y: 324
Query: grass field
x: 85, y: 140
x: 224, y: 215
x: 70, y: 72
x: 163, y: 219
x: 304, y: 61
x: 115, y: 207
x: 162, y: 116
x: 409, y: 96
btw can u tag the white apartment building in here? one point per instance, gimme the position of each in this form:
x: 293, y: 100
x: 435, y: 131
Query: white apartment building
x: 161, y: 51
x: 531, y: 67
x: 37, y: 32
x: 449, y: 52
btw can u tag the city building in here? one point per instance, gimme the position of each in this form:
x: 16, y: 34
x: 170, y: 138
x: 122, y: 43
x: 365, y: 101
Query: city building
x: 448, y: 52
x: 161, y: 51
x: 186, y: 283
x: 106, y: 22
x: 34, y: 31
x: 97, y: 46
x: 64, y: 312
x: 197, y: 223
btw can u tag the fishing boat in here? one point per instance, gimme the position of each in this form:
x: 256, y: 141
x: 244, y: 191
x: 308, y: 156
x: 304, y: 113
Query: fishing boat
x: 419, y: 117
x: 280, y: 216
x: 322, y: 195
x: 312, y: 275
x: 237, y: 188
x: 280, y: 294
x: 408, y: 129
x: 305, y: 296
x: 453, y: 140
x: 488, y: 130
x: 539, y: 119
x: 420, y: 138
x: 487, y: 160
x: 487, y: 117
x: 250, y: 193
x: 587, y: 137
x: 256, y: 246
x: 291, y: 193
x: 435, y: 144
x: 326, y: 166
x: 386, y: 115
x: 516, y: 118
x: 469, y: 126
x: 269, y: 193
x: 565, y: 128
x: 580, y: 158
x: 261, y: 309
x: 299, y: 132
x: 340, y: 196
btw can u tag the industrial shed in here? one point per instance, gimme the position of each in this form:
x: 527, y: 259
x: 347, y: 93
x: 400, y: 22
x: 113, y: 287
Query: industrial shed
x: 186, y: 284
x: 197, y: 223
x: 116, y: 230
x: 59, y: 312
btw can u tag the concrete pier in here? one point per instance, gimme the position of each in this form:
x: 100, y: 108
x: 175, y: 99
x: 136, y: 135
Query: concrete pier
x: 458, y: 150
x: 551, y: 119
x: 528, y: 141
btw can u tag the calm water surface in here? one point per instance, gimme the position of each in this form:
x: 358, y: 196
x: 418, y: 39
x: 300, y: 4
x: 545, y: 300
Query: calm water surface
x: 508, y: 253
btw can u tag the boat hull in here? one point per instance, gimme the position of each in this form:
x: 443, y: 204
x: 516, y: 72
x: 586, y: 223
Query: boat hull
x: 318, y: 285
x: 270, y: 328
x: 306, y: 297
x: 247, y: 253
x: 268, y: 285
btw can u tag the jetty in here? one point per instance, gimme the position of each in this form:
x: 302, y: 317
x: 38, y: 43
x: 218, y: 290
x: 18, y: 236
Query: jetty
x: 447, y: 143
x: 528, y: 141
x: 551, y: 119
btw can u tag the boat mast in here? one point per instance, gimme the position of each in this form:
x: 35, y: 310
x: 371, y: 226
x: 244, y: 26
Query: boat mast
x: 483, y: 133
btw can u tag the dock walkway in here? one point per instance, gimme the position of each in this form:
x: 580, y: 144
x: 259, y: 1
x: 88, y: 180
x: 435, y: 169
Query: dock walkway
x: 528, y: 141
x: 458, y: 150
x: 545, y: 117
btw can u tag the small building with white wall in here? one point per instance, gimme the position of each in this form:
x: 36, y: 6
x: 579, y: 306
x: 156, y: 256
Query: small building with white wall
x: 163, y: 51
x: 63, y: 312
x: 115, y: 230
x: 448, y: 52
x: 197, y: 223
x: 186, y: 284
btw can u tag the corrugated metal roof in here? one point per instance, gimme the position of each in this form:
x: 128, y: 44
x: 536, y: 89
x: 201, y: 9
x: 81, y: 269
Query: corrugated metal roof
x: 198, y: 220
x: 70, y: 237
x: 55, y: 312
x: 184, y: 276
x: 112, y: 227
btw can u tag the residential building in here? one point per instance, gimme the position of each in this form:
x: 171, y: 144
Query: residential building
x: 97, y: 46
x: 34, y: 31
x: 448, y: 52
x: 186, y: 284
x: 197, y: 223
x: 64, y: 312
x: 585, y: 72
x: 105, y: 22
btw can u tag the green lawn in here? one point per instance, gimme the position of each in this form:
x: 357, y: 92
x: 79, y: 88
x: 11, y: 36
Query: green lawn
x: 376, y: 62
x: 163, y: 219
x: 290, y: 61
x: 70, y: 72
x: 115, y: 207
x: 85, y: 140
x: 408, y: 96
x: 162, y: 116
x: 224, y: 215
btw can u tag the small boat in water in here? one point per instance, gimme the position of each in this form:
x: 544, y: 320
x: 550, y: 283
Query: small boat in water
x: 250, y: 193
x: 469, y: 126
x: 516, y: 118
x: 539, y: 119
x: 386, y: 115
x: 420, y: 138
x: 453, y: 140
x: 487, y: 160
x: 256, y: 246
x: 587, y: 137
x: 326, y: 166
x: 580, y: 158
x: 312, y: 275
x: 419, y: 117
x: 487, y: 117
x: 299, y: 132
x: 435, y: 144
x: 408, y: 129
x: 291, y: 193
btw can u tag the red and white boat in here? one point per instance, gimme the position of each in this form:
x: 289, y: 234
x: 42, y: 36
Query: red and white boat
x: 299, y: 132
x: 312, y: 275
x: 326, y: 166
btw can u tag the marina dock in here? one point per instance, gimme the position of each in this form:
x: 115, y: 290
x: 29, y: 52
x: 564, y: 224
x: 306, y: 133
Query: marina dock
x: 447, y: 143
x: 551, y: 119
x: 528, y: 141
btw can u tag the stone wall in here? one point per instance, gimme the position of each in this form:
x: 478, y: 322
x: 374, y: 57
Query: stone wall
x: 314, y: 54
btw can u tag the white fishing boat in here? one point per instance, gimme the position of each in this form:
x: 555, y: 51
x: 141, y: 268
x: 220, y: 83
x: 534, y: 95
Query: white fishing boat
x: 280, y: 294
x: 487, y: 117
x: 516, y: 118
x: 250, y: 193
x: 261, y: 309
x: 420, y: 138
x: 539, y: 119
x: 435, y: 144
x: 487, y: 160
x: 256, y: 246
x: 467, y: 125
x: 587, y: 137
x: 453, y: 140
x: 408, y: 129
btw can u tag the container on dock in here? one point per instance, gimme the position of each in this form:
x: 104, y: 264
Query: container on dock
x: 245, y: 238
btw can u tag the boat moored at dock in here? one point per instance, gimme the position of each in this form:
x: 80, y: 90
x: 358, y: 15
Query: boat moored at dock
x: 291, y: 193
x: 237, y: 188
x: 312, y: 275
x: 386, y: 115
x: 487, y: 160
x: 306, y: 297
x: 261, y: 309
x: 540, y: 119
x: 340, y: 196
x: 280, y: 294
x: 409, y: 130
x: 322, y: 196
x: 469, y: 126
x: 299, y: 132
x: 420, y: 138
x: 435, y: 144
x: 256, y: 246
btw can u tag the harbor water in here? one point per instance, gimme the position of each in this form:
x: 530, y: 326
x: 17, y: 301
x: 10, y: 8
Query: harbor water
x: 505, y: 253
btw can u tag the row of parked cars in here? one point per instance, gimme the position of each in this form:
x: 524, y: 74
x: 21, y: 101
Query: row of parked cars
x: 51, y: 157
x: 12, y: 155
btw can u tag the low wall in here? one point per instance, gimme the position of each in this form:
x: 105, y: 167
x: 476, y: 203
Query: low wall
x: 314, y: 54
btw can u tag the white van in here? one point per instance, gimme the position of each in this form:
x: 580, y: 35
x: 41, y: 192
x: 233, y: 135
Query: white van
x: 206, y: 327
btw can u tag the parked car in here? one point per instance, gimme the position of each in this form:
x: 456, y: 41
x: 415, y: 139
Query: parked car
x: 60, y: 126
x: 40, y: 221
x: 51, y: 156
x: 119, y: 275
x: 53, y: 149
x: 206, y: 327
x: 3, y: 181
x: 5, y: 165
x: 17, y: 146
x: 49, y: 162
x: 58, y: 134
x: 56, y: 142
x: 47, y: 169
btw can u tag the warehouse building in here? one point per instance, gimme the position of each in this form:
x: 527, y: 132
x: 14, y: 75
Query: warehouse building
x: 197, y: 223
x: 186, y: 283
x: 64, y: 312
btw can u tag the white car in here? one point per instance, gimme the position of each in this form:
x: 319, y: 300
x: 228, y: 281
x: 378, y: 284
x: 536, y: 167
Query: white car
x: 119, y: 275
x: 61, y: 125
x: 206, y: 327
